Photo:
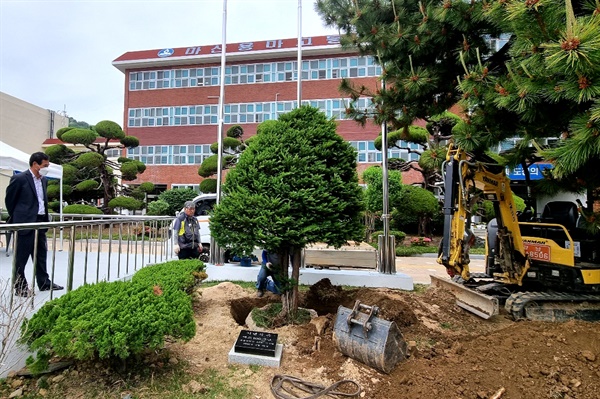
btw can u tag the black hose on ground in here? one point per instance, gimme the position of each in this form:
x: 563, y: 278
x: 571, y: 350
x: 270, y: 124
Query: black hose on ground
x: 293, y: 385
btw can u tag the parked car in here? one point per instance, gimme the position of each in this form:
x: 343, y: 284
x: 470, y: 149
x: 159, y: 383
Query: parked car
x: 204, y: 204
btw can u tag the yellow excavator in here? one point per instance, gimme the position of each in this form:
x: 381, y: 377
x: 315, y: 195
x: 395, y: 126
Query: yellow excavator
x: 539, y: 269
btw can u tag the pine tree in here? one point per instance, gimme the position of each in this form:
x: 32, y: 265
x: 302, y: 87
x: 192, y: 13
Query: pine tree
x: 544, y: 83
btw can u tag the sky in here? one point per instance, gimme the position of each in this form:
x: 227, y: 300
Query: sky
x: 58, y: 54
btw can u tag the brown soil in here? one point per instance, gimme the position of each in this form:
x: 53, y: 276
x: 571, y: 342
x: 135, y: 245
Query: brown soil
x: 455, y: 354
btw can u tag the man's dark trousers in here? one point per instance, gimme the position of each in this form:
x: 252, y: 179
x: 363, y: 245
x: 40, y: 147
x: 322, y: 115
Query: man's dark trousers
x: 25, y: 250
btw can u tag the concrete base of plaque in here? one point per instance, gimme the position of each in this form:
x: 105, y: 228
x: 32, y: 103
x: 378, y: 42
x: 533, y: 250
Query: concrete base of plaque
x: 256, y: 347
x: 259, y: 360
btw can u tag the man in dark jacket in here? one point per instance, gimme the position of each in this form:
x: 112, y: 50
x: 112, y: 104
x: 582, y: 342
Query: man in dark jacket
x: 27, y: 202
x: 187, y: 229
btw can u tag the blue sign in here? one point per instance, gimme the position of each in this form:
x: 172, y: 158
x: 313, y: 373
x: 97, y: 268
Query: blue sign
x: 535, y: 171
x: 167, y: 52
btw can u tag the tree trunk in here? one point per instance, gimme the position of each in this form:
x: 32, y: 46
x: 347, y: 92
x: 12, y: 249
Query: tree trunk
x: 286, y: 294
x: 289, y: 296
x: 296, y: 254
x: 109, y: 190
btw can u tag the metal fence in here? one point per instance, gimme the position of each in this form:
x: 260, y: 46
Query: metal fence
x: 86, y: 249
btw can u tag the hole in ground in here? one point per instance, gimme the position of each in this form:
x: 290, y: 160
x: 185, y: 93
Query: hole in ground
x: 241, y: 308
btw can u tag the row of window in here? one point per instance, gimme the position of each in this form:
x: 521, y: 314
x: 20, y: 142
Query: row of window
x: 233, y: 113
x: 196, y: 154
x: 329, y: 68
x: 170, y: 154
x: 367, y: 153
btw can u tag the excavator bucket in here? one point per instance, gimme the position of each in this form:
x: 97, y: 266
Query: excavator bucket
x: 482, y: 305
x: 359, y: 334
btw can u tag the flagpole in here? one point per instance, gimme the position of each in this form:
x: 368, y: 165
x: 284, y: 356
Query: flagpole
x: 299, y: 99
x: 221, y: 99
x: 216, y: 255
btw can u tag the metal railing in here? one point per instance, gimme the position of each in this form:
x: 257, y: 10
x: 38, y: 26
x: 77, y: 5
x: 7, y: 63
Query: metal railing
x: 99, y: 247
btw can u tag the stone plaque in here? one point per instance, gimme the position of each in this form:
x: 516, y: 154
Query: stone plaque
x: 256, y: 343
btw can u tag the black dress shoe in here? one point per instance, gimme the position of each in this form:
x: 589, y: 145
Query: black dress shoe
x: 55, y: 287
x: 24, y: 292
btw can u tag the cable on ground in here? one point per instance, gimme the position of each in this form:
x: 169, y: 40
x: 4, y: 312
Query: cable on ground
x: 292, y: 385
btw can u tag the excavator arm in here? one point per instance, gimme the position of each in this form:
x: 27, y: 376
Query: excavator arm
x: 465, y: 180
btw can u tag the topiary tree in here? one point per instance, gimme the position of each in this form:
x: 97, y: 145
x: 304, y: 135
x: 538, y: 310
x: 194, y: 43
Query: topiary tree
x: 416, y: 204
x: 125, y: 202
x: 233, y: 145
x: 92, y: 174
x: 431, y: 147
x: 82, y: 209
x: 296, y: 184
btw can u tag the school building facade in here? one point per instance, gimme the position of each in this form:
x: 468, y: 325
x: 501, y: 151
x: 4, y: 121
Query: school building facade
x: 172, y: 96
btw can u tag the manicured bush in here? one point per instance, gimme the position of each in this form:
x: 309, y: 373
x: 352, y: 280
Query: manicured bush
x: 158, y: 208
x: 411, y: 251
x: 176, y: 275
x: 82, y: 209
x: 176, y: 198
x: 116, y: 320
x: 125, y: 202
x: 399, y: 237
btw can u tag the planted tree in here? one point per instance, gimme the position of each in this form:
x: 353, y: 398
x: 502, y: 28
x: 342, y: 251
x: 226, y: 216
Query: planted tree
x: 89, y: 175
x: 294, y: 185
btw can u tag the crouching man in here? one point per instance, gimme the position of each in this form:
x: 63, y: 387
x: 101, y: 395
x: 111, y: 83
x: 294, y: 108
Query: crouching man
x: 271, y: 267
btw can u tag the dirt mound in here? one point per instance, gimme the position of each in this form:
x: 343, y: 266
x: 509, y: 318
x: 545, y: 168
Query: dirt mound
x: 453, y: 354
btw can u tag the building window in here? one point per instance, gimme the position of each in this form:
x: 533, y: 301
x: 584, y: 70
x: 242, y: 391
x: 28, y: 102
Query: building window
x: 195, y: 187
x: 113, y: 152
x: 327, y: 68
x: 367, y: 153
x: 193, y: 154
x: 235, y: 113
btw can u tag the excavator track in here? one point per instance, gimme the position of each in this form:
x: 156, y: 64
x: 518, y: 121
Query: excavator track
x: 553, y: 306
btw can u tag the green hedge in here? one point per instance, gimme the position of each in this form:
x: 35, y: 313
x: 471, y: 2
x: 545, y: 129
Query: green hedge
x: 399, y: 237
x: 82, y: 209
x: 116, y: 320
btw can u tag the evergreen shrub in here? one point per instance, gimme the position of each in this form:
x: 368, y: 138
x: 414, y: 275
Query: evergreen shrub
x: 82, y: 209
x: 116, y: 320
x: 399, y: 237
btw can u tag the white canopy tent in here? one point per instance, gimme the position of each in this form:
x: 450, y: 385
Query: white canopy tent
x: 16, y: 160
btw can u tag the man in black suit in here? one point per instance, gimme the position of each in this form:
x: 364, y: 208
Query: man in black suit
x: 27, y: 202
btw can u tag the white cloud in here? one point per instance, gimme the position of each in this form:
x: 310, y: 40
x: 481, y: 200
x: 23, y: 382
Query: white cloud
x: 58, y: 54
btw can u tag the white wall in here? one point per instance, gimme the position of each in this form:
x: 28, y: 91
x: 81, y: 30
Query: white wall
x: 25, y: 126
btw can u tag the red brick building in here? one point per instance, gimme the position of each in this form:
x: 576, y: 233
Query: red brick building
x: 172, y: 96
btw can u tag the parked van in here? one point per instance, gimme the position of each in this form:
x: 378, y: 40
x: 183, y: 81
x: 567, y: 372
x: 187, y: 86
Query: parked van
x: 204, y: 204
